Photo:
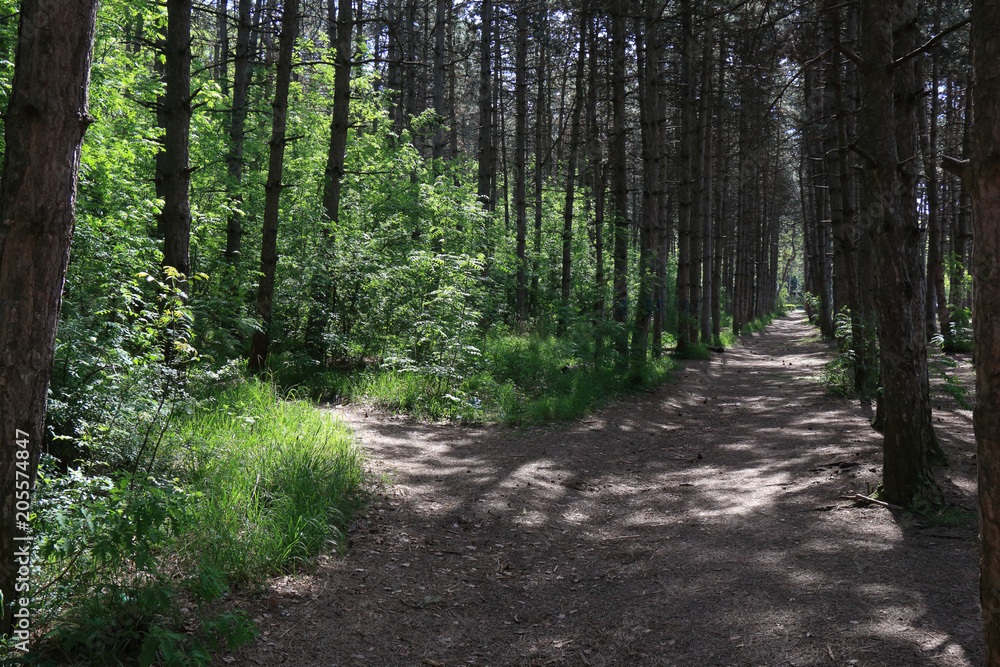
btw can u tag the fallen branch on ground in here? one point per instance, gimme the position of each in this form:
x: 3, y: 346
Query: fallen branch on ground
x: 865, y: 499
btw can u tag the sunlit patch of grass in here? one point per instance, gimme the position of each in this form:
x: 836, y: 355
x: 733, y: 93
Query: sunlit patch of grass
x: 278, y: 481
x: 520, y: 379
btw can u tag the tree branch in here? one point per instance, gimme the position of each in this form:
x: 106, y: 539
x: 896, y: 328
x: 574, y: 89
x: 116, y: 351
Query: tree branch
x: 955, y: 166
x: 931, y: 43
x: 850, y: 55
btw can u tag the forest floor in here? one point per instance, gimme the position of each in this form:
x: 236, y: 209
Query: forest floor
x: 701, y: 524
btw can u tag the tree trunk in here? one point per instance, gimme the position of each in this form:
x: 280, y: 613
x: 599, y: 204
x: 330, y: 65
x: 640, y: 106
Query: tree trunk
x: 895, y: 234
x: 176, y: 214
x: 686, y: 167
x: 44, y: 125
x: 272, y: 189
x: 984, y: 181
x: 222, y: 46
x: 541, y: 149
x: 485, y: 174
x: 520, y: 139
x: 237, y: 132
x: 340, y: 119
x: 442, y: 9
x: 619, y: 183
x: 705, y: 135
x: 574, y: 150
x: 652, y: 151
x: 597, y: 181
x: 394, y: 66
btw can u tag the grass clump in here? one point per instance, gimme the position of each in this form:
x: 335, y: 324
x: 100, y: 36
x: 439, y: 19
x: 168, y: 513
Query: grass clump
x: 693, y: 351
x: 277, y: 481
x: 511, y: 379
x: 132, y: 564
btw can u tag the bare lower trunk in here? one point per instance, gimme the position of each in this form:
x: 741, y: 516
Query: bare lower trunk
x: 984, y: 180
x: 895, y: 234
x: 176, y: 214
x: 272, y: 189
x: 520, y: 138
x: 574, y: 150
x: 619, y: 184
x: 43, y: 128
x: 237, y: 132
x: 485, y: 175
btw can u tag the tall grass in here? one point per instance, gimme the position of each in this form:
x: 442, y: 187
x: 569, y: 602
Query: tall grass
x: 277, y: 481
x: 518, y: 379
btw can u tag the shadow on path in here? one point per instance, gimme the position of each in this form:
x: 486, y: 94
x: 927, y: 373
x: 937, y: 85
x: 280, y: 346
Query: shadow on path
x: 700, y: 525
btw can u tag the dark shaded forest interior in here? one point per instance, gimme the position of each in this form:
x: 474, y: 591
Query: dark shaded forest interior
x: 507, y: 221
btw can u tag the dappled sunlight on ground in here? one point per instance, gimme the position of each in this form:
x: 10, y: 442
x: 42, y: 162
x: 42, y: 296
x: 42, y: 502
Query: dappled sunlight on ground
x: 702, y: 525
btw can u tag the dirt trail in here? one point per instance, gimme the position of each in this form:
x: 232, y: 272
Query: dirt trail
x: 699, y: 525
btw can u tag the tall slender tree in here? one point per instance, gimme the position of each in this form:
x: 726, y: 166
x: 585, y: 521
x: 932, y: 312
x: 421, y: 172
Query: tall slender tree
x: 617, y: 164
x: 237, y: 130
x: 261, y: 343
x: 520, y: 155
x: 176, y: 172
x: 486, y: 164
x: 574, y: 151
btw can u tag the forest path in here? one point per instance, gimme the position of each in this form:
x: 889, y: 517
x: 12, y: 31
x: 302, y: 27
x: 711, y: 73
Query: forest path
x: 698, y: 525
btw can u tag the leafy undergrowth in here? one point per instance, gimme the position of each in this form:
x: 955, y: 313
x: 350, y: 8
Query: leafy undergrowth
x: 513, y: 379
x: 135, y: 567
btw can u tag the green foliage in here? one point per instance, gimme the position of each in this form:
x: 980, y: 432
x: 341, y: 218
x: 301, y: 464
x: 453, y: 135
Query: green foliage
x: 949, y: 516
x: 958, y: 338
x: 940, y: 364
x: 518, y: 379
x: 113, y: 391
x: 277, y: 481
x: 758, y: 325
x: 693, y: 351
x: 103, y: 589
x: 838, y: 373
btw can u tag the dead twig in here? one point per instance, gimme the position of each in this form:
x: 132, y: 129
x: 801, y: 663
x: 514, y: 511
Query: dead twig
x: 872, y: 501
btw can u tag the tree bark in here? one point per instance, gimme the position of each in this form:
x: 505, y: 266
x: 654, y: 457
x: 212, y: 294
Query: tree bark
x: 705, y: 136
x: 685, y: 187
x: 176, y: 173
x: 895, y: 233
x: 43, y: 129
x: 541, y: 150
x: 984, y: 181
x: 442, y: 10
x: 652, y: 152
x: 485, y: 174
x: 596, y: 179
x: 340, y: 119
x: 574, y: 150
x: 261, y: 342
x: 222, y: 46
x: 619, y: 182
x: 520, y: 158
x: 237, y: 132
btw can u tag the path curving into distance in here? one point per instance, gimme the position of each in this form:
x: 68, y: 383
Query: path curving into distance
x: 698, y: 525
